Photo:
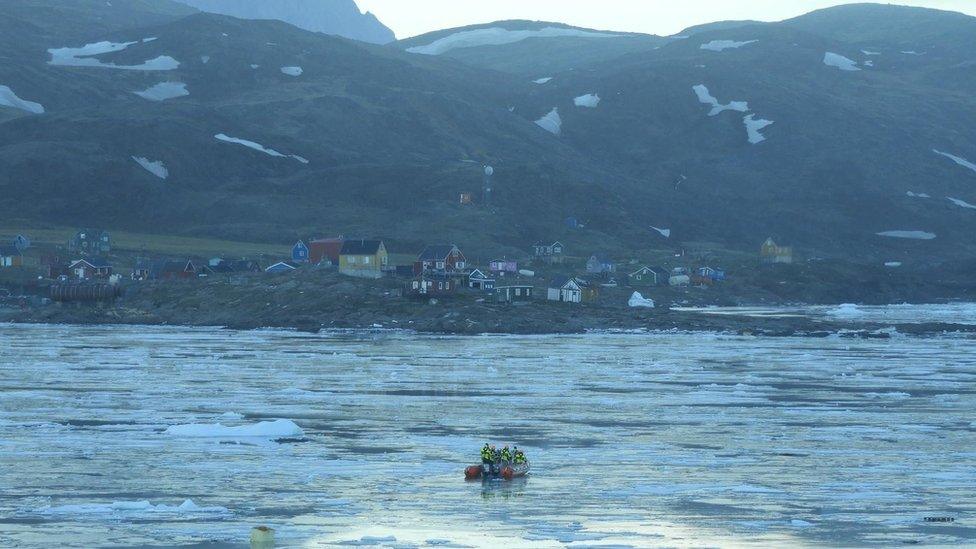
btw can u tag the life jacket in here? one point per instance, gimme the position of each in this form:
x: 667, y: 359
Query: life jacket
x: 486, y: 453
x: 506, y: 455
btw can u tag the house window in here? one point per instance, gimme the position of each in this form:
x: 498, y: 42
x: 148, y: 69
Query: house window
x: 518, y: 291
x: 416, y: 285
x: 440, y: 285
x: 366, y: 260
x: 351, y: 260
x: 460, y: 264
x: 440, y: 265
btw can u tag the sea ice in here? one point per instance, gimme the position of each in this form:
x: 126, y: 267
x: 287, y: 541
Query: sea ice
x: 84, y: 57
x: 258, y: 147
x: 721, y: 45
x: 638, y: 300
x: 292, y: 71
x: 164, y: 91
x: 704, y: 96
x: 957, y: 159
x: 961, y: 203
x: 9, y: 98
x: 754, y: 126
x: 545, y: 80
x: 839, y: 61
x: 155, y: 167
x: 911, y: 235
x: 497, y: 36
x: 590, y: 100
x: 551, y: 122
x: 280, y: 428
x: 130, y: 508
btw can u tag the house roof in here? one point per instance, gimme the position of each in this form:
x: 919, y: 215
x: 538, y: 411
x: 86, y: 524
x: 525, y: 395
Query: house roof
x: 95, y: 262
x: 478, y: 274
x: 171, y: 266
x: 361, y: 247
x: 561, y: 281
x: 280, y: 266
x: 438, y: 252
x: 643, y: 269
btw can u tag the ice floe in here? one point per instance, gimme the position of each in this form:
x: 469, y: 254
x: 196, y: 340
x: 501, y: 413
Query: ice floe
x: 155, y: 167
x: 84, y: 57
x: 917, y: 195
x: 754, y: 126
x: 281, y: 428
x: 497, y: 36
x: 721, y: 45
x: 590, y: 100
x: 9, y: 99
x: 258, y: 147
x: 957, y: 159
x: 130, y: 508
x: 551, y: 122
x: 837, y: 60
x: 545, y: 80
x: 961, y: 203
x: 705, y: 97
x: 292, y: 71
x: 666, y: 233
x: 638, y: 300
x: 164, y: 91
x: 911, y: 235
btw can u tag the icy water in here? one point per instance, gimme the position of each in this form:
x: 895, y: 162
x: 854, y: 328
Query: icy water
x: 636, y: 440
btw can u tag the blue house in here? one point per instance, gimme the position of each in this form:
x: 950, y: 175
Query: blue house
x: 715, y: 275
x: 299, y: 252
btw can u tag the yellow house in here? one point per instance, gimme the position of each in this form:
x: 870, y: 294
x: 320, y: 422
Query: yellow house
x: 363, y: 258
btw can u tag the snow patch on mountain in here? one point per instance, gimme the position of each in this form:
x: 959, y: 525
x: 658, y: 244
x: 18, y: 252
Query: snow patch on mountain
x: 292, y: 71
x: 910, y: 235
x: 957, y: 159
x: 917, y: 195
x: 84, y: 57
x: 868, y: 52
x: 722, y: 45
x: 9, y: 99
x: 540, y: 81
x: 666, y: 233
x: 961, y: 203
x: 164, y: 91
x: 590, y: 100
x: 155, y: 167
x: 839, y: 61
x: 754, y: 126
x: 258, y: 147
x: 498, y: 36
x: 705, y: 97
x: 551, y: 122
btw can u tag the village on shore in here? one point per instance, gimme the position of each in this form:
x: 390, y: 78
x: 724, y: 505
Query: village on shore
x: 87, y: 270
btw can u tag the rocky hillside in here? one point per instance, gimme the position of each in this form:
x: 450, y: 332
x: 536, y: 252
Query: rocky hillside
x: 338, y: 17
x: 843, y: 141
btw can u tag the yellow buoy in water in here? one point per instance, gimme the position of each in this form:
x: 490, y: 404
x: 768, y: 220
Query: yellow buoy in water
x: 262, y: 537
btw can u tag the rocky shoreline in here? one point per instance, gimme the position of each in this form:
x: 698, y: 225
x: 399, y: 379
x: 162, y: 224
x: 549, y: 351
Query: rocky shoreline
x: 317, y: 303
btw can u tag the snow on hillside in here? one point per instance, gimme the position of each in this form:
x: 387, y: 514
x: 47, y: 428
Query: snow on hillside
x: 292, y: 71
x: 155, y: 167
x: 258, y: 147
x: 590, y: 100
x: 722, y: 45
x: 705, y: 97
x: 498, y: 36
x: 545, y: 80
x: 911, y: 235
x: 164, y: 91
x: 957, y: 159
x: 961, y: 203
x: 666, y: 233
x: 84, y: 57
x: 917, y: 195
x: 754, y: 126
x: 868, y: 52
x: 551, y: 122
x: 839, y: 61
x: 9, y: 99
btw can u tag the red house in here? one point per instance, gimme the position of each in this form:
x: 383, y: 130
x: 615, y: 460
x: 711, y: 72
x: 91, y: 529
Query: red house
x: 326, y: 248
x: 172, y: 270
x: 90, y: 268
x: 444, y: 258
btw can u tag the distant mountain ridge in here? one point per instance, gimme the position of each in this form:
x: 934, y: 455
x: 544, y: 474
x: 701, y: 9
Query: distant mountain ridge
x: 338, y: 17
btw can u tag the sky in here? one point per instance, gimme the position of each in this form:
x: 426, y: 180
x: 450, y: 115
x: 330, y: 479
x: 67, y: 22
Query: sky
x: 664, y: 17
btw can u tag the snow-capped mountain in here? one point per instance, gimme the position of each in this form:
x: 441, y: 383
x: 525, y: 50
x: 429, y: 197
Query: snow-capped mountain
x: 338, y: 17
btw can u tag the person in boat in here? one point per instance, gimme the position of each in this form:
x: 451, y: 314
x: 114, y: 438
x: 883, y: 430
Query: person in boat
x: 506, y: 455
x: 495, y: 459
x: 520, y: 457
x: 486, y: 455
